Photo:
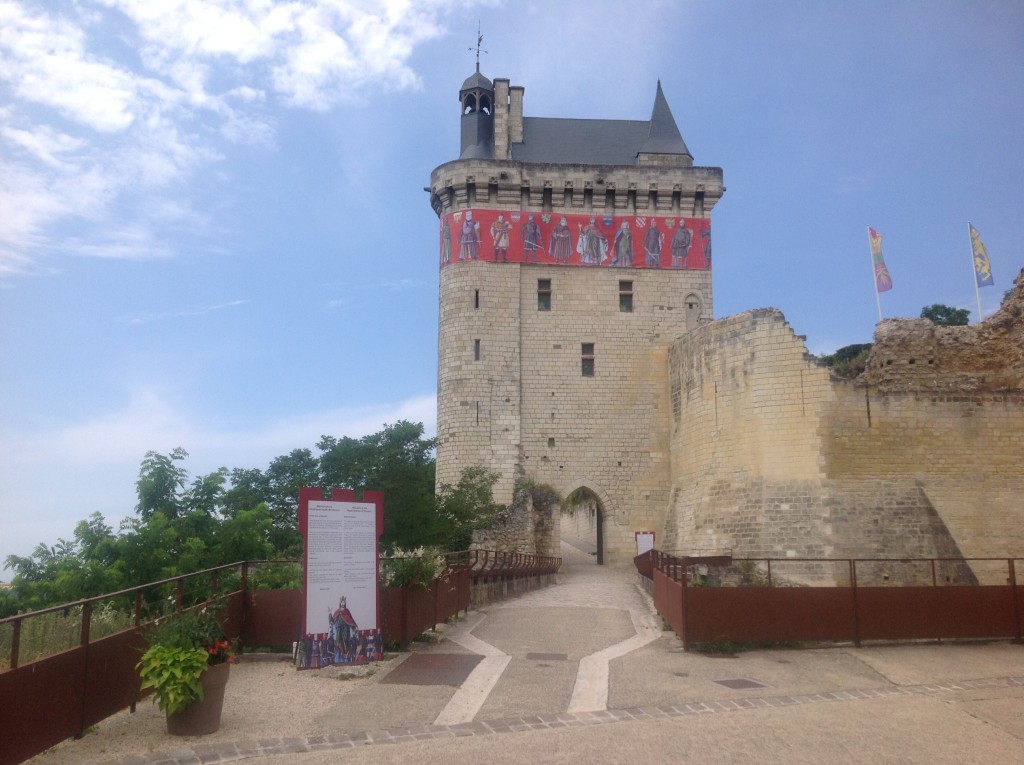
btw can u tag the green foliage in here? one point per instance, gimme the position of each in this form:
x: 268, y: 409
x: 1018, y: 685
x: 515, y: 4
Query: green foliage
x: 465, y: 507
x: 57, y: 631
x: 849, y: 361
x: 182, y: 646
x: 398, y: 461
x: 173, y: 673
x: 946, y: 316
x: 160, y: 483
x: 185, y: 523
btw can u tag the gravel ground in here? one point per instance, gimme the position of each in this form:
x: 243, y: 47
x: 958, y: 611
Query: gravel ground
x: 265, y: 697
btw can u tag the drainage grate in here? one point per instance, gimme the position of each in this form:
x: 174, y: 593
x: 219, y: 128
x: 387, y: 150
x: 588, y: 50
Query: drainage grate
x: 547, y: 656
x: 740, y: 683
x: 434, y: 669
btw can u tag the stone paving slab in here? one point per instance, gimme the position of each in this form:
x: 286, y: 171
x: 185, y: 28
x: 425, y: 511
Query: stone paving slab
x: 510, y: 725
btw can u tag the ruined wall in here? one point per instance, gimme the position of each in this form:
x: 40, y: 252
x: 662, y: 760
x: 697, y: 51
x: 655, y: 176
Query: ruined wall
x: 525, y: 527
x: 771, y: 457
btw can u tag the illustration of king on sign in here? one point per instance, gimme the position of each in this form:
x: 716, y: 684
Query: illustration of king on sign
x: 609, y: 241
x: 341, y: 620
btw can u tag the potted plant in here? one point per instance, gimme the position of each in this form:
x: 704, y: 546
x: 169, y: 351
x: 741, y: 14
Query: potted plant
x: 187, y: 666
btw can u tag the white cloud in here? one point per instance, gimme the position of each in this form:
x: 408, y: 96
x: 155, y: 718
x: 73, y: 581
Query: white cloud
x: 118, y: 102
x: 146, y: 318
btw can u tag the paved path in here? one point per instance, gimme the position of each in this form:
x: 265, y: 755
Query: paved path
x: 582, y: 669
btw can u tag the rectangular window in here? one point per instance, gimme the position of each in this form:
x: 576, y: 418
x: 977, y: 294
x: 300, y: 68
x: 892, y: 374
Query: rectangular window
x: 476, y: 298
x: 543, y: 294
x: 626, y: 296
x: 587, y: 360
x: 476, y: 350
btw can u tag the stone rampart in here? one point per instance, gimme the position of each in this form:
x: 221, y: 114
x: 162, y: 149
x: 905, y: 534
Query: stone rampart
x: 771, y: 456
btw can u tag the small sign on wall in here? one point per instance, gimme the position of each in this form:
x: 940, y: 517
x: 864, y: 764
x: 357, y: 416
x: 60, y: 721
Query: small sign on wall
x: 644, y: 541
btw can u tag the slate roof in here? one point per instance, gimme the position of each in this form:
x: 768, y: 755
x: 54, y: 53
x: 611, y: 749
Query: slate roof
x: 600, y: 142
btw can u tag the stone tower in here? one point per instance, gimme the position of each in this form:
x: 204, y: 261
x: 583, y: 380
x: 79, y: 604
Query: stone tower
x: 572, y: 253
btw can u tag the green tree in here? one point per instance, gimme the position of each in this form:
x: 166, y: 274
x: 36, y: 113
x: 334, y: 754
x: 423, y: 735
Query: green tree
x: 848, y: 361
x: 398, y: 461
x: 946, y: 316
x: 160, y: 483
x: 466, y: 507
x: 284, y: 477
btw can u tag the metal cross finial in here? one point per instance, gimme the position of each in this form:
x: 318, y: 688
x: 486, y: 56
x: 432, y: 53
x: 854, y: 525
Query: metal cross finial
x: 479, y: 41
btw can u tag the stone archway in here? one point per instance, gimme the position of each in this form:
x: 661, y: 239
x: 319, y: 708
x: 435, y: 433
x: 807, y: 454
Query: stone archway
x: 583, y: 521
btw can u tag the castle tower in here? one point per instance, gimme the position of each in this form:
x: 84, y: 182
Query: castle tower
x: 572, y: 253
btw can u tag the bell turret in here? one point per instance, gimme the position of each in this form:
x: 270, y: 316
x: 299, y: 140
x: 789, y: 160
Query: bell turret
x: 477, y: 99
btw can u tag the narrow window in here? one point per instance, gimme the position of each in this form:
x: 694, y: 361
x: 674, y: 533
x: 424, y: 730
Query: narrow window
x: 587, y: 360
x: 476, y: 298
x: 543, y: 294
x: 626, y: 297
x: 476, y: 350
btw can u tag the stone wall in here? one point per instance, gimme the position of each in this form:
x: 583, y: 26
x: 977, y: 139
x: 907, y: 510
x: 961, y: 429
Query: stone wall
x: 526, y: 526
x: 772, y: 457
x: 525, y: 410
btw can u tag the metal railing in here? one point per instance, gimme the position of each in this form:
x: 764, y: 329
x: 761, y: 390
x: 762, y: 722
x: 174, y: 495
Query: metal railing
x: 54, y: 694
x: 824, y: 599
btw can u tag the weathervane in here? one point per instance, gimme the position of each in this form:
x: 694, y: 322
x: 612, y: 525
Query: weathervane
x: 479, y: 41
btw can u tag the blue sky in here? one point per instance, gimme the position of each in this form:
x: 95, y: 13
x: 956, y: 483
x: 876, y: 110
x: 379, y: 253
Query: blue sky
x: 214, y: 234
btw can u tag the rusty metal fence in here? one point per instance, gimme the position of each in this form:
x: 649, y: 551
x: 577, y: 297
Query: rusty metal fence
x: 848, y: 600
x: 88, y: 673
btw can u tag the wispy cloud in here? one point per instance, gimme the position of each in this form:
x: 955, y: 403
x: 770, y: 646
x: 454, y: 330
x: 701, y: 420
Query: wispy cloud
x: 149, y: 317
x: 116, y: 102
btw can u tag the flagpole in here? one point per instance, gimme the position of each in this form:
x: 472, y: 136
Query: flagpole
x: 874, y: 278
x: 974, y: 270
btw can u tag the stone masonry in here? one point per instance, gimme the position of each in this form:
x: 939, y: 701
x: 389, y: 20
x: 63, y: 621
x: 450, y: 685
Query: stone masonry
x: 772, y: 457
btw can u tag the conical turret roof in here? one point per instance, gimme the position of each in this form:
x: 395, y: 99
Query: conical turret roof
x: 664, y: 136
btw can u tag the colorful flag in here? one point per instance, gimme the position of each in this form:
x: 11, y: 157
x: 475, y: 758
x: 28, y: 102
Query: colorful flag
x: 982, y: 266
x: 883, y: 282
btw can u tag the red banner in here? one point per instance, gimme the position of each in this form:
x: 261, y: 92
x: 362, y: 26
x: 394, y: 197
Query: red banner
x: 567, y: 239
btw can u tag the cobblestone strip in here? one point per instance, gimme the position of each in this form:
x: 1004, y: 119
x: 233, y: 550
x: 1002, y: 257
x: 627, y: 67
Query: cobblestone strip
x: 246, y: 748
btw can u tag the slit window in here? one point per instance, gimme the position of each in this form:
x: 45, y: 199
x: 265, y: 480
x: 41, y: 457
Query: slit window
x: 587, y: 360
x: 543, y: 294
x: 476, y: 350
x: 476, y: 298
x: 626, y: 296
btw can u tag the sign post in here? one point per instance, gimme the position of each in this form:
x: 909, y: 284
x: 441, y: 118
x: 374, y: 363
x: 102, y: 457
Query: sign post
x: 341, y: 573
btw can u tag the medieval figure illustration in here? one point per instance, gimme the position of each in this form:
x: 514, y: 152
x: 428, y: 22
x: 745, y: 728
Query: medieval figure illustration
x: 344, y: 631
x: 681, y: 245
x: 499, y: 233
x: 653, y: 239
x: 446, y: 241
x: 622, y: 247
x: 561, y: 241
x: 469, y: 240
x: 533, y: 240
x: 592, y: 245
x: 706, y: 236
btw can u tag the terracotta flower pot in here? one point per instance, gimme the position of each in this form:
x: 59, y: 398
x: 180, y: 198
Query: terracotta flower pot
x: 202, y: 717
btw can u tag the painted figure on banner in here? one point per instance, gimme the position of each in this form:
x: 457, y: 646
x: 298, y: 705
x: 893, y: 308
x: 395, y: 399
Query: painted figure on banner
x: 561, y: 241
x: 499, y: 233
x: 446, y: 240
x: 623, y: 247
x: 469, y: 241
x: 706, y: 236
x: 681, y: 245
x: 533, y: 240
x: 592, y: 245
x: 344, y: 631
x: 653, y: 240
